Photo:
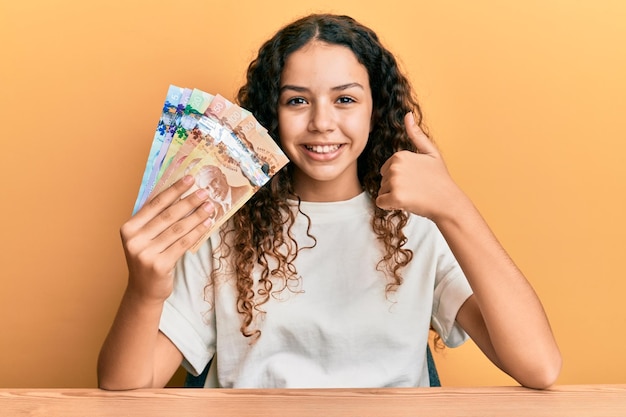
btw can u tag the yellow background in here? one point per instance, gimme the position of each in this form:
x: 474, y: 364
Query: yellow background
x: 526, y: 100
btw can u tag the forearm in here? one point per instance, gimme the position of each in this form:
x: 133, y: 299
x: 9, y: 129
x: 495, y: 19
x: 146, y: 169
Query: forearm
x: 517, y: 327
x: 135, y: 354
x: 128, y: 354
x: 504, y: 316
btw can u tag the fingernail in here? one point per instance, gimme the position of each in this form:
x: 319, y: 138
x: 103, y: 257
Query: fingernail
x: 412, y: 118
x: 188, y: 179
x: 202, y: 194
x: 208, y: 207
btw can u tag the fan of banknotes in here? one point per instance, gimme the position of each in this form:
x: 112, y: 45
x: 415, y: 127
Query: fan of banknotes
x: 219, y: 143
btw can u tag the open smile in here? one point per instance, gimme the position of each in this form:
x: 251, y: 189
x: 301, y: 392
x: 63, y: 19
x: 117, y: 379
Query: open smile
x: 323, y: 149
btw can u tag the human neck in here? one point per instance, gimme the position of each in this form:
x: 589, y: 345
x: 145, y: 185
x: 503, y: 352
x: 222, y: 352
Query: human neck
x: 326, y: 191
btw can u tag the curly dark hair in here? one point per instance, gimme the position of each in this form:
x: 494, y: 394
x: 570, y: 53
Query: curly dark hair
x: 260, y: 232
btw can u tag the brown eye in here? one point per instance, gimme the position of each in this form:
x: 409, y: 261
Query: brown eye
x: 345, y: 100
x: 296, y: 101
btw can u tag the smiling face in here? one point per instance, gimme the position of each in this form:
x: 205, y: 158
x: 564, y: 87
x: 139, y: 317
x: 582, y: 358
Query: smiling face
x: 324, y: 119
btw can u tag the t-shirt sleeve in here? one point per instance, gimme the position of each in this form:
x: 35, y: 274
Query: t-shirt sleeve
x: 187, y: 318
x: 451, y: 291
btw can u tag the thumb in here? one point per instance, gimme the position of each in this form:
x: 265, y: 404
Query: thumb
x: 418, y: 137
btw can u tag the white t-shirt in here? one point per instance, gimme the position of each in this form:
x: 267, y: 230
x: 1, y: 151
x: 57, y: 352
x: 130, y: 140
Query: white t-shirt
x: 336, y: 328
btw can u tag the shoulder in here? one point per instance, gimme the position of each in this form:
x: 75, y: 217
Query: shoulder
x: 424, y: 238
x: 419, y: 227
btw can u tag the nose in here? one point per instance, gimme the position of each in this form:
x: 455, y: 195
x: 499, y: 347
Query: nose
x: 322, y: 118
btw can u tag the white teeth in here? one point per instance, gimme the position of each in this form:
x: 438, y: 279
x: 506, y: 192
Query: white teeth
x: 322, y: 148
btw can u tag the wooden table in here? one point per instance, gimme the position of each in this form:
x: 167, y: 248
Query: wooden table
x: 566, y: 400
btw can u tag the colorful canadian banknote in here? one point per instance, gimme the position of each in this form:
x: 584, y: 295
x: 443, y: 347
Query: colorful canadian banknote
x: 174, y: 97
x: 219, y: 143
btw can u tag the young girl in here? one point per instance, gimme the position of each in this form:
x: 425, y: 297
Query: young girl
x: 334, y: 272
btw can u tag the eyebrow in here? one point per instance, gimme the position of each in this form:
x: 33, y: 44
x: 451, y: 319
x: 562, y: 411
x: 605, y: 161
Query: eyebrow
x: 300, y: 89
